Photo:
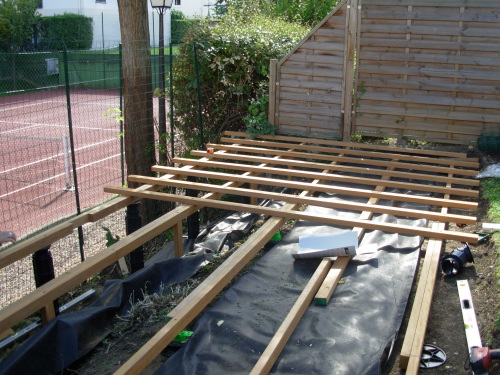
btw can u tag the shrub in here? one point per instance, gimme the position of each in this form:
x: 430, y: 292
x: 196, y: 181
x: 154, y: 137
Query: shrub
x: 71, y: 30
x: 234, y: 57
x: 180, y: 26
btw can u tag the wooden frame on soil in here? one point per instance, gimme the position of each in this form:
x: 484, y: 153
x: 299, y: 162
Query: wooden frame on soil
x: 248, y: 167
x: 282, y: 159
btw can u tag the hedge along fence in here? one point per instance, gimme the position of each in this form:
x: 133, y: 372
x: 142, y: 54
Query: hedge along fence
x: 425, y: 69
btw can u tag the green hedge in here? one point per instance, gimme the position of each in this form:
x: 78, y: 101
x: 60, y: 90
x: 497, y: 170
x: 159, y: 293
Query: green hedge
x: 73, y: 30
x: 180, y: 28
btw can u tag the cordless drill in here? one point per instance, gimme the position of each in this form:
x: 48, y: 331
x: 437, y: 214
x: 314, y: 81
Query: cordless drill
x: 480, y: 358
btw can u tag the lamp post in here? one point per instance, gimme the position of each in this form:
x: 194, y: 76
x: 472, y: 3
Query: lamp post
x: 161, y: 7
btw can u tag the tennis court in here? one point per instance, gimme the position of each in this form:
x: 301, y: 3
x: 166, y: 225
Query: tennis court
x: 36, y: 172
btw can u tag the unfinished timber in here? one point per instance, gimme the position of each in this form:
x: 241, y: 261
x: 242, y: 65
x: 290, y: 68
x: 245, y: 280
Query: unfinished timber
x: 440, y: 184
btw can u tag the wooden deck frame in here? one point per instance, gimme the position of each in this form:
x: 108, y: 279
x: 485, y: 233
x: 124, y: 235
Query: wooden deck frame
x: 253, y: 176
x: 283, y: 164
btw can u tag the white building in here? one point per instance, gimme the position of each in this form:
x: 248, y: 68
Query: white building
x: 106, y: 21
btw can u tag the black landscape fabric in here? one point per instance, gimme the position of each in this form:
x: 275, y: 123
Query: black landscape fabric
x: 70, y: 336
x: 353, y: 334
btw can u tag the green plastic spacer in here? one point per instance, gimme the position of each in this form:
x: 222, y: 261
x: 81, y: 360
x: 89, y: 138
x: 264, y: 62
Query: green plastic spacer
x: 183, y: 337
x: 276, y: 237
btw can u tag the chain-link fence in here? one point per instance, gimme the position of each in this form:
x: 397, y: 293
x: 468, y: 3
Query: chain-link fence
x: 61, y: 131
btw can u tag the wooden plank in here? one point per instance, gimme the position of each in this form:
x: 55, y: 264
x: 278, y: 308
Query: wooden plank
x: 417, y: 324
x: 430, y: 113
x: 279, y: 340
x: 331, y: 177
x: 326, y: 188
x: 430, y: 44
x: 403, y: 212
x: 344, y: 151
x: 434, y: 4
x: 421, y: 306
x: 429, y: 58
x: 197, y: 300
x: 341, y: 168
x: 363, y: 161
x: 326, y: 142
x: 425, y: 30
x: 329, y: 285
x: 432, y: 14
x: 47, y: 293
x: 29, y: 246
x: 393, y: 228
x: 431, y: 99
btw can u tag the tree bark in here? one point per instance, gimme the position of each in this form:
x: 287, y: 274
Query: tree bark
x: 137, y: 95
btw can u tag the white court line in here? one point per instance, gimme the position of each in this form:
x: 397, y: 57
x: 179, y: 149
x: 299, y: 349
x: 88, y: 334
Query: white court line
x: 34, y: 104
x: 56, y: 176
x: 62, y: 103
x: 56, y: 156
x: 34, y: 125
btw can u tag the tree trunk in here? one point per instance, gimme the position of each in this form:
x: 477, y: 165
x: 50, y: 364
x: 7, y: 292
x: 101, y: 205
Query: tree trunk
x: 137, y: 95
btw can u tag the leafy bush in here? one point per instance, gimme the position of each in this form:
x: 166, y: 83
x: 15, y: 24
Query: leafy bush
x: 180, y: 26
x: 234, y: 57
x: 71, y: 30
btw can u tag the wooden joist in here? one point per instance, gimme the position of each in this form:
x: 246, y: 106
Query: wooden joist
x: 403, y: 212
x: 297, y: 164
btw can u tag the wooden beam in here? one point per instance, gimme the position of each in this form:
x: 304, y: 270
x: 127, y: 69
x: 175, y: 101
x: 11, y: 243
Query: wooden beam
x: 343, y: 168
x: 29, y: 246
x: 197, y: 300
x: 362, y: 161
x: 278, y: 342
x: 327, y: 142
x: 178, y: 240
x: 411, y: 351
x: 344, y: 151
x: 330, y: 283
x: 288, y: 214
x: 323, y: 188
x: 403, y: 212
x: 43, y: 296
x: 330, y: 177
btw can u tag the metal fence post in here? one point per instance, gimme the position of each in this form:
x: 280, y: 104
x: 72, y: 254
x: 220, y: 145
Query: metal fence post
x: 72, y: 145
x: 133, y: 223
x: 200, y: 109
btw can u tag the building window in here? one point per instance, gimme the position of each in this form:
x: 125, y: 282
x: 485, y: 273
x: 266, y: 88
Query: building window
x: 177, y: 2
x: 40, y: 6
x: 101, y: 1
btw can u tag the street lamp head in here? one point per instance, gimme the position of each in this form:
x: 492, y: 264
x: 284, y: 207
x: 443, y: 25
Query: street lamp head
x: 162, y: 4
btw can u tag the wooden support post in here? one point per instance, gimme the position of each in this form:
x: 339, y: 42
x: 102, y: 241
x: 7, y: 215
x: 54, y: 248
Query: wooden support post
x: 178, y: 240
x: 273, y: 82
x: 48, y: 313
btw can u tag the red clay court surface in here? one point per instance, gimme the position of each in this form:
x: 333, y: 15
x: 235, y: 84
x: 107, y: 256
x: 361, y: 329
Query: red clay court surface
x: 33, y: 177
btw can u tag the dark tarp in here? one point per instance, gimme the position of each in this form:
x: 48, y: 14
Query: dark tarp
x: 353, y: 334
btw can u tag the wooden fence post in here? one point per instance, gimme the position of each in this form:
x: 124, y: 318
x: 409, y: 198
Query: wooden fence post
x: 273, y: 70
x: 349, y: 86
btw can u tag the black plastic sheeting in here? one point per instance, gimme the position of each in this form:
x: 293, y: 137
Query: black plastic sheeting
x: 70, y: 336
x: 353, y: 334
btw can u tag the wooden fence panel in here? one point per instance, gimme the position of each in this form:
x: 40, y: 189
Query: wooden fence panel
x: 428, y: 70
x: 308, y: 98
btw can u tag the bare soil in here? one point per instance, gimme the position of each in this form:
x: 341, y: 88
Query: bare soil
x: 445, y: 327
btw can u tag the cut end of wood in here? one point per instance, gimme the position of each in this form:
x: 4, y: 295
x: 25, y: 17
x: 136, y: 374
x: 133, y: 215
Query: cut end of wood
x: 320, y: 301
x: 403, y: 361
